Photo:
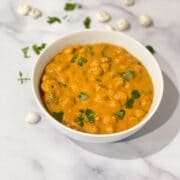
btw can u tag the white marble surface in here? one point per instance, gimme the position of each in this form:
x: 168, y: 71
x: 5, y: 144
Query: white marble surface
x: 40, y: 152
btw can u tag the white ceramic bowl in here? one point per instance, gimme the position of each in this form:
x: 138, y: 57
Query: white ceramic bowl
x: 94, y: 36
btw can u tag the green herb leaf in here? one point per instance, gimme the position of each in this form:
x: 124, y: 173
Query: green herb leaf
x: 151, y: 49
x: 81, y: 61
x: 135, y: 94
x: 120, y: 114
x: 83, y: 96
x: 72, y: 6
x: 87, y: 22
x: 129, y: 103
x: 58, y: 115
x: 128, y: 75
x: 53, y: 19
x: 25, y: 52
x: 74, y: 58
x: 21, y: 78
x: 90, y: 115
x: 38, y: 49
x: 80, y: 121
x: 81, y: 111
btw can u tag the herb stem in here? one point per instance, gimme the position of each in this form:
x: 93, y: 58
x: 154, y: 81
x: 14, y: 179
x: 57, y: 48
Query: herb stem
x: 21, y: 78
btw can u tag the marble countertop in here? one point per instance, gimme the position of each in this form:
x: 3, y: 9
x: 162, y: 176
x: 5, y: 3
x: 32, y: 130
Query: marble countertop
x: 40, y: 152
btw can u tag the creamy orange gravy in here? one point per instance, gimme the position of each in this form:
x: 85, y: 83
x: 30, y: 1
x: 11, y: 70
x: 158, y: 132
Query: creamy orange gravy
x: 96, y: 88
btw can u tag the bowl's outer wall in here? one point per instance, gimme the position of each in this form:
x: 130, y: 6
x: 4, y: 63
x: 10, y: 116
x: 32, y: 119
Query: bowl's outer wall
x: 95, y: 36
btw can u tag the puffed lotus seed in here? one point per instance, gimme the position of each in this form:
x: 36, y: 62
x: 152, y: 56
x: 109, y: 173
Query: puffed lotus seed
x: 122, y: 24
x: 128, y: 2
x: 32, y: 117
x: 23, y: 9
x: 145, y: 20
x: 103, y: 16
x: 35, y: 13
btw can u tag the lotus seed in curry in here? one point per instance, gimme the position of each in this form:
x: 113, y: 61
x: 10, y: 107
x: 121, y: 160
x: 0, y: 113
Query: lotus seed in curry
x: 96, y: 88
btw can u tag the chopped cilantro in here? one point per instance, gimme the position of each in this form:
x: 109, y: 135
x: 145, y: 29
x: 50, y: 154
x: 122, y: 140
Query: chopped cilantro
x: 87, y: 22
x: 81, y: 61
x: 74, y: 58
x: 83, y: 96
x: 72, y: 6
x: 85, y: 113
x: 128, y: 75
x: 120, y: 114
x: 135, y: 94
x: 58, y: 115
x: 80, y: 121
x: 151, y: 49
x: 53, y: 19
x: 38, y: 49
x: 90, y: 115
x: 25, y: 52
x: 129, y: 103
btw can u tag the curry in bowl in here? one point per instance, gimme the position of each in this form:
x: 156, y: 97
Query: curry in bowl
x: 96, y: 88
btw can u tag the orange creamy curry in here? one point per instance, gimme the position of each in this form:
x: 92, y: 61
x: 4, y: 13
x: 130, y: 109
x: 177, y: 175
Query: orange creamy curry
x: 96, y: 88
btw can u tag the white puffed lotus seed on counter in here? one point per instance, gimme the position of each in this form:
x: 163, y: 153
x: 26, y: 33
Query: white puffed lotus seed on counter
x: 23, y: 9
x: 35, y: 13
x: 32, y: 117
x: 145, y: 20
x: 128, y: 2
x: 103, y: 16
x: 122, y: 24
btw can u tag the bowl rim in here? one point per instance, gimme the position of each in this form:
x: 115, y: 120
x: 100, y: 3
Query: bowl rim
x: 74, y: 131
